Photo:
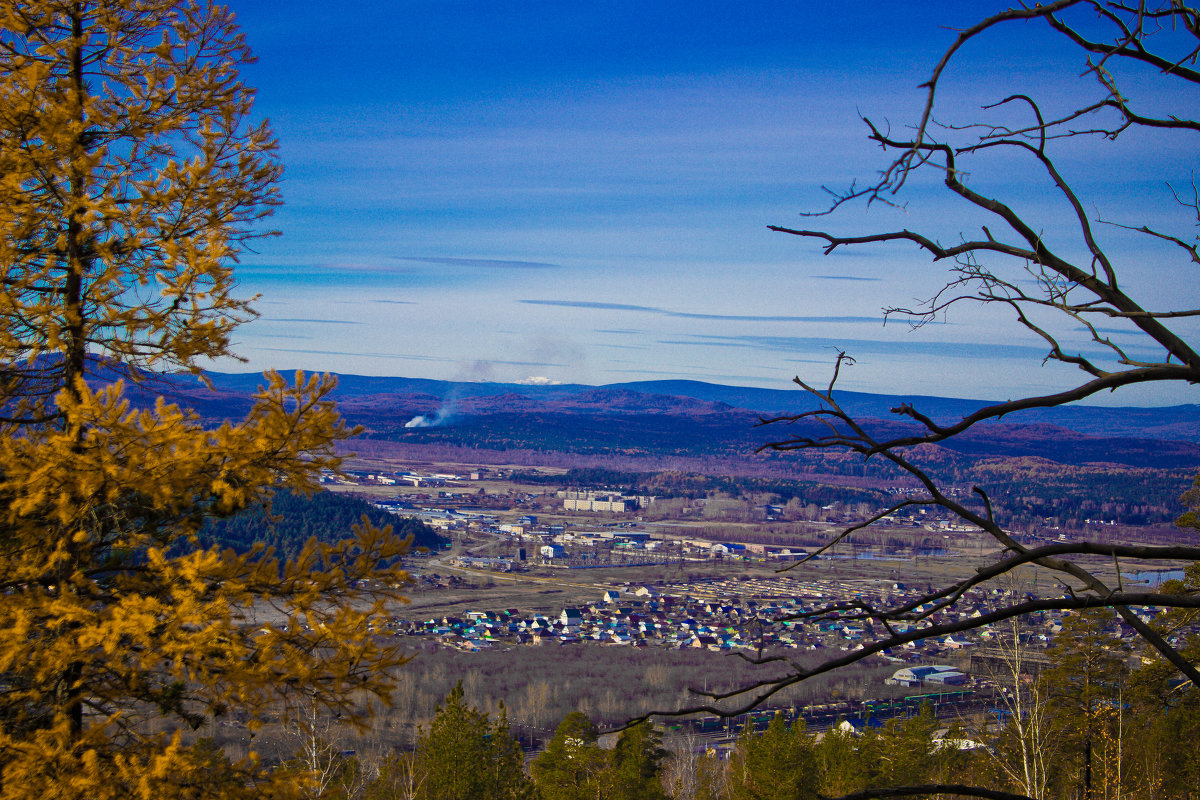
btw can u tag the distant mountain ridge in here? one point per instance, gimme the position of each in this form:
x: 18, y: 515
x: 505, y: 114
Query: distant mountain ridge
x: 1171, y: 423
x: 1128, y: 464
x: 693, y: 419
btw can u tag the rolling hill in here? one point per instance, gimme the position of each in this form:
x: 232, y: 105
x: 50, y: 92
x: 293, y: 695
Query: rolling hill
x: 676, y: 418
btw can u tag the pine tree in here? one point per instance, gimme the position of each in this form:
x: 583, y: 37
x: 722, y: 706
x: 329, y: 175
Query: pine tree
x: 1084, y: 686
x: 777, y: 764
x: 130, y: 179
x: 904, y: 751
x: 841, y: 762
x: 465, y: 756
x: 572, y: 764
x: 636, y: 764
x: 1162, y: 722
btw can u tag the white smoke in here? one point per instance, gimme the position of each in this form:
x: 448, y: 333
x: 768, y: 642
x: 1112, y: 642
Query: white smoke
x: 422, y: 421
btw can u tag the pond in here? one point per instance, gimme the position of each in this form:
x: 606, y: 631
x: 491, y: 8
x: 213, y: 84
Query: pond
x: 1156, y: 577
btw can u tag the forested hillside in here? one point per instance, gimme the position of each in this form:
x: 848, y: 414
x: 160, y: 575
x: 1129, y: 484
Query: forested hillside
x: 293, y: 519
x: 1034, y: 493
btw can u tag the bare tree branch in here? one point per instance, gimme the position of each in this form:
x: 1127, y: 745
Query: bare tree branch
x: 1051, y: 284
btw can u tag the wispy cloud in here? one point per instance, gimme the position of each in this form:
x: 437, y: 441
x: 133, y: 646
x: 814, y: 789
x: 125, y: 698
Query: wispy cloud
x: 340, y: 267
x: 489, y: 263
x: 311, y: 321
x: 808, y: 361
x: 525, y: 363
x: 800, y: 344
x: 845, y: 278
x: 396, y: 302
x: 659, y: 373
x: 589, y: 304
x: 308, y: 271
x: 397, y: 356
x: 697, y: 374
x: 481, y: 363
x: 1113, y: 331
x: 601, y: 306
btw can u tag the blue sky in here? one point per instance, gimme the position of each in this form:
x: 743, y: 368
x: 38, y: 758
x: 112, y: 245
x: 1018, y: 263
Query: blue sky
x: 580, y: 192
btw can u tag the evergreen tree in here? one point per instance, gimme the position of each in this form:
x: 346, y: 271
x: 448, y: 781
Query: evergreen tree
x: 1084, y: 686
x: 1162, y: 737
x: 130, y: 180
x: 292, y: 519
x: 636, y: 765
x: 841, y: 766
x: 571, y: 766
x: 464, y: 756
x: 778, y: 764
x: 903, y: 750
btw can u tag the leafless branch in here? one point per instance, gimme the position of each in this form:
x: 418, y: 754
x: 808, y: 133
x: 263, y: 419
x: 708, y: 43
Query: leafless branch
x: 1050, y: 283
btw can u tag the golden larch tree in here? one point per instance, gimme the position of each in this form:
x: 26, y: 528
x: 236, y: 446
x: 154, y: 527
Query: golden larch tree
x: 130, y: 180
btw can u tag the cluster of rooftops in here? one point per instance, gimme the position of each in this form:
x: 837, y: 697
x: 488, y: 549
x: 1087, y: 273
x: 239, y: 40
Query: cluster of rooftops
x: 768, y: 614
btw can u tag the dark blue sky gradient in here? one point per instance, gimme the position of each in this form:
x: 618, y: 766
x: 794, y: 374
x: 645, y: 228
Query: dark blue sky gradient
x: 580, y: 192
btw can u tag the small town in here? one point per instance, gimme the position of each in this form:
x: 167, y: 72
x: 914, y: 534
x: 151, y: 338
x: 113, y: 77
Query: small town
x: 816, y: 607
